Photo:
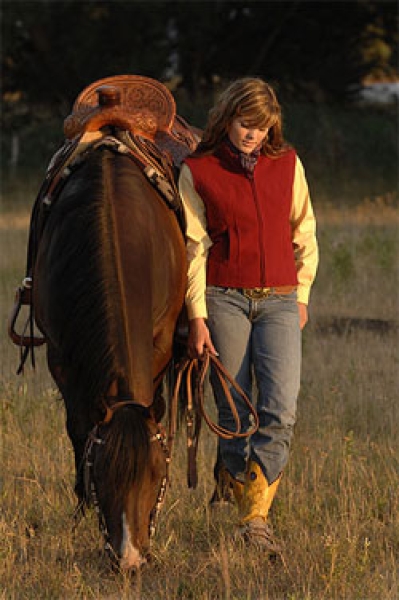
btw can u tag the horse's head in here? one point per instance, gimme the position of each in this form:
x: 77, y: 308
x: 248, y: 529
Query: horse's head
x: 126, y: 478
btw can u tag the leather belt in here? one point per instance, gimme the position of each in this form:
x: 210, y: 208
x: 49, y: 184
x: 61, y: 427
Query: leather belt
x: 261, y: 293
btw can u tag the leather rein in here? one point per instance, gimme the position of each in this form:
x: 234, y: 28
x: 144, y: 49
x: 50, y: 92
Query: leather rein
x: 194, y: 370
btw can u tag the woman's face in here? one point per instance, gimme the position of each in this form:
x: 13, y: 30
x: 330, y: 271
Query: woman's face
x: 245, y: 138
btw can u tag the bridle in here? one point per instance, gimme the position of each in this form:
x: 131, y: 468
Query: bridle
x: 195, y: 370
x: 94, y: 440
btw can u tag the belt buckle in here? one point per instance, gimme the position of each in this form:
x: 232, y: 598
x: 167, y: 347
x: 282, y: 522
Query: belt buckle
x: 257, y: 293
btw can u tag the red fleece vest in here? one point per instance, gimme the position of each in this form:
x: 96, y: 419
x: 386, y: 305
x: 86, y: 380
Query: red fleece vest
x: 248, y: 219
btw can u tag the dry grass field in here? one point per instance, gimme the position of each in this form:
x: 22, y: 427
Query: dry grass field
x: 338, y: 506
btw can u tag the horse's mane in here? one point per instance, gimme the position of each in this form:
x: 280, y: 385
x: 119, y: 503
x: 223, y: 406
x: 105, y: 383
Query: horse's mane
x: 87, y: 309
x: 124, y: 452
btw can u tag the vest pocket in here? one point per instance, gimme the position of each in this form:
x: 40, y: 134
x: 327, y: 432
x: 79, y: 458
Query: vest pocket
x: 220, y: 251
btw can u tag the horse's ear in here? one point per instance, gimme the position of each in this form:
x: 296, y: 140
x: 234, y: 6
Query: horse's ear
x: 158, y: 407
x: 108, y: 415
x: 112, y: 391
x: 112, y: 394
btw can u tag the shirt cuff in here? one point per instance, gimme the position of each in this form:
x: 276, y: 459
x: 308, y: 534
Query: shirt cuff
x: 196, y: 310
x: 303, y: 293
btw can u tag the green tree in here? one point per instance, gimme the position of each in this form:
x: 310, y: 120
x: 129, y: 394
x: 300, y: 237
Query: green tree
x: 314, y: 50
x: 317, y: 50
x: 53, y: 49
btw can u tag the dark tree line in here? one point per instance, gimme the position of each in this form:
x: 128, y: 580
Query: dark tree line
x: 312, y: 50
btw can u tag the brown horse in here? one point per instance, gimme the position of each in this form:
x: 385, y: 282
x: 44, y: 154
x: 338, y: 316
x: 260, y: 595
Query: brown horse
x: 109, y: 279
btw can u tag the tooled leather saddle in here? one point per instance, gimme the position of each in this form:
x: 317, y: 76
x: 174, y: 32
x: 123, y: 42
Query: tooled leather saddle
x: 140, y: 105
x: 133, y: 115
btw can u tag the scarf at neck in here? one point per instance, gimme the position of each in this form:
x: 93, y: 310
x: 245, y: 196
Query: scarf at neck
x: 247, y: 161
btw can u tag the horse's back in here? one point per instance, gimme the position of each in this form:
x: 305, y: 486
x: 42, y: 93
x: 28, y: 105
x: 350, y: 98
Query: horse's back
x: 109, y: 276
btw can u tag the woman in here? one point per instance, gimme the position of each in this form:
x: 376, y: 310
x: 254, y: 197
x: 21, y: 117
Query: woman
x: 252, y: 258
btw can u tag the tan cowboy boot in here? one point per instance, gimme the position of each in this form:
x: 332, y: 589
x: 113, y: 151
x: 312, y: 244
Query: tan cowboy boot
x: 254, y: 508
x: 227, y: 488
x: 237, y: 487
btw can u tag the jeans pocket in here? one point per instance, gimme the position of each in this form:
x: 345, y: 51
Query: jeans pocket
x: 291, y: 297
x: 216, y: 290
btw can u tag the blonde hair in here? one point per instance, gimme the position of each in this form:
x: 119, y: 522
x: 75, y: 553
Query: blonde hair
x: 255, y: 101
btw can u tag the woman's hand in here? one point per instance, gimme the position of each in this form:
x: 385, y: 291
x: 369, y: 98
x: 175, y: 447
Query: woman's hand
x: 303, y: 314
x: 199, y: 338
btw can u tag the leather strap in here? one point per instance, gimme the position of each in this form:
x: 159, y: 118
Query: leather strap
x: 195, y: 371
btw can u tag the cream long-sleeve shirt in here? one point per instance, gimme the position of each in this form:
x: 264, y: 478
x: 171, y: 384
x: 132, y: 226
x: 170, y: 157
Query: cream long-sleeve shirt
x: 304, y: 242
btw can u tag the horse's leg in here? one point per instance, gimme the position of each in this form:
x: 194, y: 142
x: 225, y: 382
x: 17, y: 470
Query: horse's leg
x: 77, y: 427
x: 56, y: 368
x: 78, y: 436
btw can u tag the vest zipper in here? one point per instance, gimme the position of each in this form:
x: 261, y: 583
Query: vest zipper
x: 260, y: 235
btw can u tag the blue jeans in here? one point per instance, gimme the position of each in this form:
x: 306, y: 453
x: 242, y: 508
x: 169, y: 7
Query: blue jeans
x: 257, y: 340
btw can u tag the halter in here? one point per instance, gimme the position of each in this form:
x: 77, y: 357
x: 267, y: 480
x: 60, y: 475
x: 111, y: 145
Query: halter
x: 91, y: 497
